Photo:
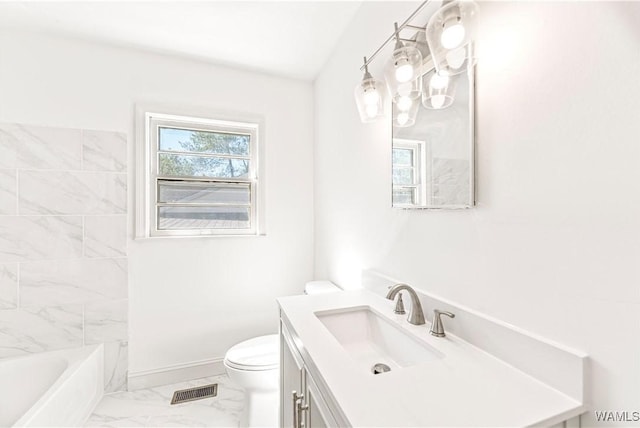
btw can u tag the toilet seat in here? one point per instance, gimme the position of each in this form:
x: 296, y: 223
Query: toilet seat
x: 257, y: 354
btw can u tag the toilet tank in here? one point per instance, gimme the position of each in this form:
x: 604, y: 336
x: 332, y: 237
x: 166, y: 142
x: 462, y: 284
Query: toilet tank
x: 320, y: 287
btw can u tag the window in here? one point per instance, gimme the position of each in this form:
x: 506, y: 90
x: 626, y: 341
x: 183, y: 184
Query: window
x: 201, y: 176
x: 408, y: 169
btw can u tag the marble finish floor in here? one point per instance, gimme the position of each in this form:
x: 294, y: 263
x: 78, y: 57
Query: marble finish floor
x: 151, y: 407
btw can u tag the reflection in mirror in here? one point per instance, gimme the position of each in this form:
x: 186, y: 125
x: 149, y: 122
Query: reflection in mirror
x: 432, y: 160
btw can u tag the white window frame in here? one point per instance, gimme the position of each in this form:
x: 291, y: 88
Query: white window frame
x: 419, y: 186
x: 148, y: 123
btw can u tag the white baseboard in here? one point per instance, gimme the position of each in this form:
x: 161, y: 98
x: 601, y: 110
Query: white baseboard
x: 175, y: 373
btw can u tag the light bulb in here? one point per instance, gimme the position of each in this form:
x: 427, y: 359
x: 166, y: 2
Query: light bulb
x: 437, y: 101
x: 403, y: 118
x: 452, y: 35
x: 371, y: 110
x: 438, y: 81
x: 404, y: 103
x: 404, y: 72
x: 456, y: 58
x: 405, y: 90
x: 371, y: 96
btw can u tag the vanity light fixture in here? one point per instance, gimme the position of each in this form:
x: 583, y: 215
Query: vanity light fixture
x: 424, y: 66
x: 402, y: 70
x: 370, y: 97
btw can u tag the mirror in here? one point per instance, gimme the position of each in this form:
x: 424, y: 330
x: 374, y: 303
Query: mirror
x: 433, y: 159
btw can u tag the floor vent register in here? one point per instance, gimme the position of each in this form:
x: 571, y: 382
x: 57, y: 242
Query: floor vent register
x: 197, y: 393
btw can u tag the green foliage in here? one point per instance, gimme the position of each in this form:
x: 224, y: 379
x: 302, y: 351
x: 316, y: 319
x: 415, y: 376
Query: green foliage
x: 175, y: 165
x: 210, y: 143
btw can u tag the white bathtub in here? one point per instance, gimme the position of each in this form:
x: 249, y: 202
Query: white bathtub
x: 59, y: 388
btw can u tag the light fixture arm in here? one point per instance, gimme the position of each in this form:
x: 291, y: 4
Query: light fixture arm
x: 396, y: 33
x: 367, y: 75
x: 399, y: 44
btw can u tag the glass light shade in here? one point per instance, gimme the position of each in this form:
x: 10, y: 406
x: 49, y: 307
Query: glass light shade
x: 405, y: 116
x: 370, y: 99
x: 439, y: 90
x: 402, y: 72
x: 450, y: 35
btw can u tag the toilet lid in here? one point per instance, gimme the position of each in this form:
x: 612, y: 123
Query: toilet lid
x: 259, y: 353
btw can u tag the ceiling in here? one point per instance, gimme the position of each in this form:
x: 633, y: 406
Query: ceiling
x: 286, y: 38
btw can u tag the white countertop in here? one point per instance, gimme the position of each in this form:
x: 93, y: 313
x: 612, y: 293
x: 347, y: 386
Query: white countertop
x: 466, y: 388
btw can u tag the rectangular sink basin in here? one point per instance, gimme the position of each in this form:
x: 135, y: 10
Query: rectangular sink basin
x: 370, y: 338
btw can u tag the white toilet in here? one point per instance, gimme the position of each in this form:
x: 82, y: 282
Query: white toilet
x: 253, y: 365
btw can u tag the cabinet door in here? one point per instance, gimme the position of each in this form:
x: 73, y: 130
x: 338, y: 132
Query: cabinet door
x: 291, y: 378
x: 318, y: 413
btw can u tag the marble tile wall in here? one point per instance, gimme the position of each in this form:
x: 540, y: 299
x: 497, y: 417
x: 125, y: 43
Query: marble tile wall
x: 451, y: 184
x: 63, y: 243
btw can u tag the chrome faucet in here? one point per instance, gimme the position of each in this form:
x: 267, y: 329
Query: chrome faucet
x: 416, y: 316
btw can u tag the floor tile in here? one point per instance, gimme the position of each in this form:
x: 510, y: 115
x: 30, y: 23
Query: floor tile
x: 151, y: 407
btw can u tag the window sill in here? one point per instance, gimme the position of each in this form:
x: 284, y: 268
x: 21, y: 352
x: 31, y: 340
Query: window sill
x: 236, y: 235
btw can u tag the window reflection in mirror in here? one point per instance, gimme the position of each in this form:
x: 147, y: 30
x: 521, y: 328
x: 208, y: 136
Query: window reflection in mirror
x: 408, y: 172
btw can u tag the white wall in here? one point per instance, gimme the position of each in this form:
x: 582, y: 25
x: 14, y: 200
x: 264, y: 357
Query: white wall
x: 190, y: 299
x: 553, y: 245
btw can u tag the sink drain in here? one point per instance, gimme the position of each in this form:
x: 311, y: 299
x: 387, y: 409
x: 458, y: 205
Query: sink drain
x: 380, y: 368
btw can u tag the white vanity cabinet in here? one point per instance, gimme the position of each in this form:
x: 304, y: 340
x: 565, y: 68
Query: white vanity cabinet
x: 301, y: 401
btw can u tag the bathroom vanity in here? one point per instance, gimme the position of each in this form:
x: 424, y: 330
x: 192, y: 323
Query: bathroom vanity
x: 302, y: 403
x: 332, y: 346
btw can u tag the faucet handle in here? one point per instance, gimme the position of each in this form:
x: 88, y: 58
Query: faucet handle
x: 436, y: 326
x: 399, y: 306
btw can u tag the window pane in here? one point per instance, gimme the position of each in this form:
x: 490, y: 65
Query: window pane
x: 204, y: 193
x: 199, y: 166
x: 403, y: 176
x: 402, y: 157
x: 403, y: 196
x: 170, y: 218
x: 185, y: 140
